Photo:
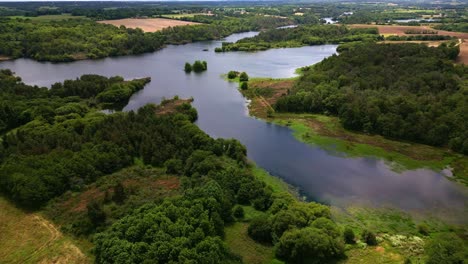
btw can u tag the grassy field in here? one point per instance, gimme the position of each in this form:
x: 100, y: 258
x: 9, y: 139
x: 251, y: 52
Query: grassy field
x: 50, y: 17
x: 29, y: 238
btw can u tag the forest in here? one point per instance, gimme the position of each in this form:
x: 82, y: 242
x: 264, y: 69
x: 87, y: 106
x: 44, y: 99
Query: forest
x: 405, y: 91
x: 301, y: 36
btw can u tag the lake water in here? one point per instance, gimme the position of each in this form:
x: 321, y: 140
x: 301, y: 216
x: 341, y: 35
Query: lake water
x: 223, y: 113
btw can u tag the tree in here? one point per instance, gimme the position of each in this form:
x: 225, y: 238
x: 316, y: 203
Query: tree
x: 188, y: 67
x: 423, y: 229
x: 232, y: 74
x: 308, y: 245
x: 260, y: 230
x: 349, y: 236
x: 446, y: 248
x: 243, y: 77
x: 119, y: 193
x: 238, y: 212
x: 95, y: 213
x: 199, y: 66
x: 369, y: 238
x: 244, y: 85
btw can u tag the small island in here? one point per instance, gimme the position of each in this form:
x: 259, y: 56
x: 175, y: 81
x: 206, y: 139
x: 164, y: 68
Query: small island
x: 197, y: 66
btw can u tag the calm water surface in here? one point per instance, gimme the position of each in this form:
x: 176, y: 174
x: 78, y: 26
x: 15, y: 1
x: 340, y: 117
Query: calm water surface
x: 223, y: 113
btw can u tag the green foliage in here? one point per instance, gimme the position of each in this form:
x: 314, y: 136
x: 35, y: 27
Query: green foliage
x: 95, y: 213
x: 423, y: 229
x: 188, y: 67
x: 349, y: 236
x: 408, y: 91
x: 179, y: 230
x: 446, y: 248
x: 260, y: 230
x: 369, y: 238
x: 238, y: 212
x: 119, y: 193
x: 243, y: 77
x: 199, y: 66
x: 308, y: 245
x: 232, y: 74
x: 244, y: 85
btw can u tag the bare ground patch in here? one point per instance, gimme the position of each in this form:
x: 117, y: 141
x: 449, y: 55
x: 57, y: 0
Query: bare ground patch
x: 148, y: 24
x: 170, y: 106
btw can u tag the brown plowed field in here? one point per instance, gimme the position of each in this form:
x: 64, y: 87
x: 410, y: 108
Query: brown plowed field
x: 148, y: 24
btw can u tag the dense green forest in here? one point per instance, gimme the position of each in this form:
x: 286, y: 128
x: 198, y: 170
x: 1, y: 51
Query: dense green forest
x: 74, y: 39
x: 408, y: 91
x: 301, y: 36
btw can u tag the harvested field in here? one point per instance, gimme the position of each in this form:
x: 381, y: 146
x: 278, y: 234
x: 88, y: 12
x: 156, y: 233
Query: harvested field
x: 148, y: 24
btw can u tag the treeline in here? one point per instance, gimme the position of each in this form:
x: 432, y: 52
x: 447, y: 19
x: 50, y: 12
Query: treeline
x: 427, y: 37
x: 72, y: 39
x: 302, y: 36
x: 456, y: 27
x: 408, y: 91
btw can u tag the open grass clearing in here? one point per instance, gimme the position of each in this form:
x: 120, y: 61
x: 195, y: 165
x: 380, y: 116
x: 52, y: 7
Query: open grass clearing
x: 251, y: 252
x: 30, y: 238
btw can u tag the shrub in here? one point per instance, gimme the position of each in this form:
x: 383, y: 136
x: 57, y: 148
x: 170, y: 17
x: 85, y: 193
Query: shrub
x: 238, y: 212
x: 260, y: 230
x: 244, y: 86
x: 199, y: 66
x: 308, y: 245
x: 188, y: 67
x: 243, y: 77
x: 423, y: 229
x: 369, y: 238
x: 349, y: 236
x: 446, y: 249
x: 232, y: 74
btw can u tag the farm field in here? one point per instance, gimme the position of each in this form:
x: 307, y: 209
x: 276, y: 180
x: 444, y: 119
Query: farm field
x: 149, y: 24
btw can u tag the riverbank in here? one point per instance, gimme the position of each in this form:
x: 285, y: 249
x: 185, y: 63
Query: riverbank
x: 328, y: 133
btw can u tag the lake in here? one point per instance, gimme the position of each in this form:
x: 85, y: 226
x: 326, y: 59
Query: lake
x: 319, y: 175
